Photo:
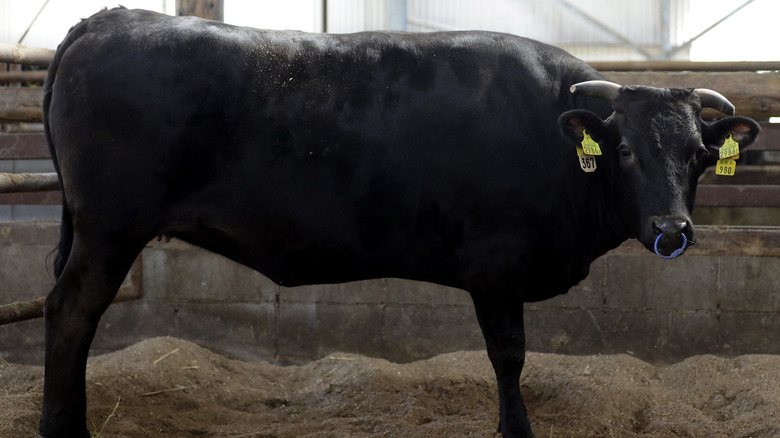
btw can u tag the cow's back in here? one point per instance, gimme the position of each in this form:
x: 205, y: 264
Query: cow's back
x: 313, y: 158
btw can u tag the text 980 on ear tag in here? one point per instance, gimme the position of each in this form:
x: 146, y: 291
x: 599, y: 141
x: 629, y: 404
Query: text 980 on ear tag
x: 726, y: 167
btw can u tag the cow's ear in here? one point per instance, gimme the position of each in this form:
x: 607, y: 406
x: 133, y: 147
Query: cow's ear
x: 573, y: 123
x: 741, y: 129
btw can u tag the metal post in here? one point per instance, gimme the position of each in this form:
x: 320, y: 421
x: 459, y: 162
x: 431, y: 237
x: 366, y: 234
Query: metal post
x: 396, y: 15
x: 666, y: 31
x: 19, y: 54
x: 28, y: 182
x: 208, y: 9
x: 324, y: 16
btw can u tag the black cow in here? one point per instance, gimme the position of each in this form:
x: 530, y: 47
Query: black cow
x: 330, y: 158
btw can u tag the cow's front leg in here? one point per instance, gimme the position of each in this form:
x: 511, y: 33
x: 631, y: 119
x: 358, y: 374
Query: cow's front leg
x: 502, y: 326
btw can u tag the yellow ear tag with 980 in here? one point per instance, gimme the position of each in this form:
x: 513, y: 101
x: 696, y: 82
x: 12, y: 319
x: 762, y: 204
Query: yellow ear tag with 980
x: 726, y: 167
x: 589, y: 146
x: 728, y: 154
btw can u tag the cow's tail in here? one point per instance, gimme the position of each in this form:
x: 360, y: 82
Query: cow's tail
x: 62, y: 252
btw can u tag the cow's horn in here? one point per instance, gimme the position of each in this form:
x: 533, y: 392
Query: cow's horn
x: 603, y: 89
x: 715, y: 100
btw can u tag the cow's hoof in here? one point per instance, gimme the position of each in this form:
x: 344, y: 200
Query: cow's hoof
x: 85, y: 434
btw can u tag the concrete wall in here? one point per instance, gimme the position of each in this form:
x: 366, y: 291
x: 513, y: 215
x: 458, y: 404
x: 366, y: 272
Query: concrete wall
x: 722, y: 297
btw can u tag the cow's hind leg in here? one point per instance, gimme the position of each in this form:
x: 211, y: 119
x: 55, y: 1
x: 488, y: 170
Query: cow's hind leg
x: 501, y: 321
x: 84, y: 289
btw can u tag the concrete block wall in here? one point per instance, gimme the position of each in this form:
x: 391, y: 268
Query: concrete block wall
x: 717, y: 299
x: 665, y: 310
x: 221, y: 304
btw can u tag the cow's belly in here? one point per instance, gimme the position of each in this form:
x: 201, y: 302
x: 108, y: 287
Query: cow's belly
x: 302, y: 229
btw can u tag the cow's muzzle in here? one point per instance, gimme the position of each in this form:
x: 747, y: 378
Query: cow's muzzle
x: 675, y: 253
x: 672, y: 237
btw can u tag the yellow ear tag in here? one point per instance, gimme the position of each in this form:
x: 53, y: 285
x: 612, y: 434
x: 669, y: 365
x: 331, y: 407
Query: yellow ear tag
x: 728, y: 154
x: 589, y: 146
x: 730, y: 149
x: 726, y: 167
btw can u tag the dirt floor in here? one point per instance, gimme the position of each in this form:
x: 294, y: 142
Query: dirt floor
x: 167, y: 387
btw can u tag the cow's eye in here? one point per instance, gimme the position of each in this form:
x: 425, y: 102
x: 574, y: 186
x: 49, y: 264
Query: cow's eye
x: 624, y: 151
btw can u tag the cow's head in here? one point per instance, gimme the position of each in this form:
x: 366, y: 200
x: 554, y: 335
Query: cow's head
x: 656, y: 145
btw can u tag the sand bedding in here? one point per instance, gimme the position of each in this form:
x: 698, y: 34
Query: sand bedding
x: 167, y: 387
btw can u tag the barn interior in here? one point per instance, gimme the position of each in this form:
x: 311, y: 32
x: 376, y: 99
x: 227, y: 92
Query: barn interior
x: 722, y: 298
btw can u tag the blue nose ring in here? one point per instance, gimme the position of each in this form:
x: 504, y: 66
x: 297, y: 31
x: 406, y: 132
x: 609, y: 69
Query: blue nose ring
x: 676, y: 253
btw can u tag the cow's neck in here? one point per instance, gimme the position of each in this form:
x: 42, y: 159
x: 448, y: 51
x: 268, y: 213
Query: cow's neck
x: 602, y: 207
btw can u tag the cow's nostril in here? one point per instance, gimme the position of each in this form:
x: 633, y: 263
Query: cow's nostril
x: 670, y: 226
